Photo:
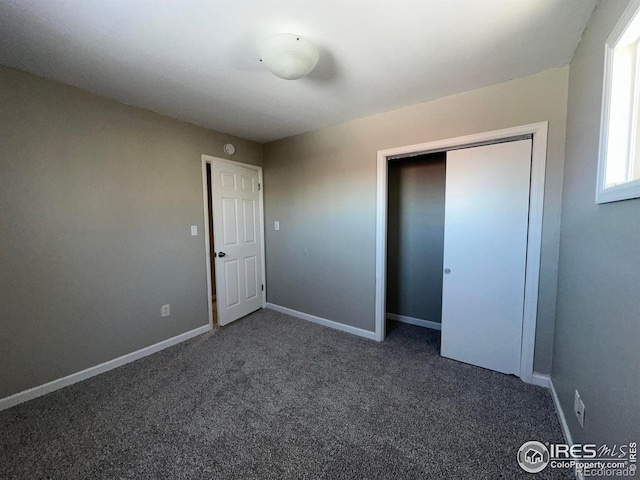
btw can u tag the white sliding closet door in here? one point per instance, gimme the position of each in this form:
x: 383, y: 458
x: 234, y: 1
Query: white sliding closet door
x: 485, y: 245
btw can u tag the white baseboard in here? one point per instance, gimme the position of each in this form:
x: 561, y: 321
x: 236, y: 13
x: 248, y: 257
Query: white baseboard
x: 564, y: 426
x: 414, y: 321
x: 563, y: 420
x: 540, y: 379
x: 323, y: 321
x: 54, y: 385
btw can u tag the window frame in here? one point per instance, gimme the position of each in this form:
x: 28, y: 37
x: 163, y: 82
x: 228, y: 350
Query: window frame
x: 631, y: 188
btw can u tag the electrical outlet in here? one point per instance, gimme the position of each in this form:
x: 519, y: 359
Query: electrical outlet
x: 578, y: 408
x: 165, y: 310
x: 276, y: 225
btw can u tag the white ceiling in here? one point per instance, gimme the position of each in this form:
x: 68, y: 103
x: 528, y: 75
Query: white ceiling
x: 198, y: 61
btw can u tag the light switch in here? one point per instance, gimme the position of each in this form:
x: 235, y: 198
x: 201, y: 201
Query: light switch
x: 276, y: 225
x: 194, y: 230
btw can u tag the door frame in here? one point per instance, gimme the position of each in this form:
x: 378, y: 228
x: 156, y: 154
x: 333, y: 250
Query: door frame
x: 539, y: 133
x: 207, y: 241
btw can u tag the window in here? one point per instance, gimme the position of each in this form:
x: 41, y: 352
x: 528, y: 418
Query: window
x: 619, y: 163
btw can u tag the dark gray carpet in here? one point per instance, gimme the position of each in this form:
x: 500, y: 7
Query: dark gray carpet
x: 273, y: 397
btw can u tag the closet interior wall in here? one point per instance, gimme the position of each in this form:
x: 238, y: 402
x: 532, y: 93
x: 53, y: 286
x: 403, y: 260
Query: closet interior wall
x: 415, y: 237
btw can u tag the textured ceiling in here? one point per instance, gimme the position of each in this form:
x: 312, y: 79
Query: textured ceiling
x: 198, y: 61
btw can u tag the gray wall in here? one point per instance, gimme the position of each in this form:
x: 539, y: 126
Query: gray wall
x: 321, y: 186
x: 415, y: 239
x: 598, y: 317
x: 96, y: 202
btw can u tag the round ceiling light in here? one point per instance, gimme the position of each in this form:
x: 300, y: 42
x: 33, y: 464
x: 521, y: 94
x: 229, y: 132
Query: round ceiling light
x: 289, y: 56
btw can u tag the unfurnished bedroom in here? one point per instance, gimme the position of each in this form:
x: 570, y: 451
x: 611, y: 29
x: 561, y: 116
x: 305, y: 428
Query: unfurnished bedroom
x: 264, y: 239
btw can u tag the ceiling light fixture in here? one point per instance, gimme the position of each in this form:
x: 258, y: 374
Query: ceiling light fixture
x: 289, y: 56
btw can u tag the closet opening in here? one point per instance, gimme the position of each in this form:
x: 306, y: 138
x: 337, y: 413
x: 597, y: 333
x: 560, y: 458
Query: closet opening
x: 458, y: 242
x: 415, y: 240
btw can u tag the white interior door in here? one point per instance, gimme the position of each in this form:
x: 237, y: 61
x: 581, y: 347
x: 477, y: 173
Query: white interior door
x: 237, y: 240
x: 485, y: 245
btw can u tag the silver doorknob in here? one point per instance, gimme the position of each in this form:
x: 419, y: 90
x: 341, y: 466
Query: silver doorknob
x: 447, y: 270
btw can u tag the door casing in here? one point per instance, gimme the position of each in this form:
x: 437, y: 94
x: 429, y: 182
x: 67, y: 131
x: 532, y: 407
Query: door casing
x: 539, y: 132
x: 210, y: 159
